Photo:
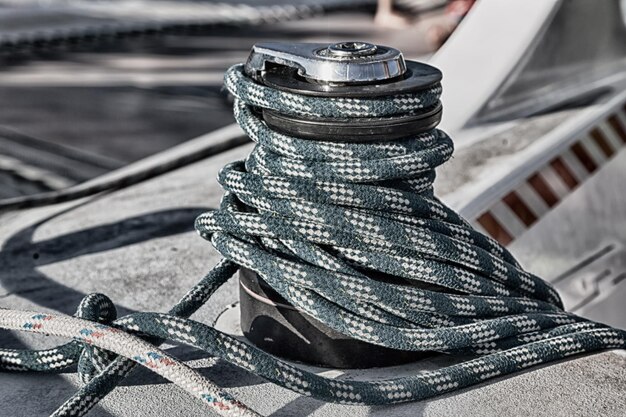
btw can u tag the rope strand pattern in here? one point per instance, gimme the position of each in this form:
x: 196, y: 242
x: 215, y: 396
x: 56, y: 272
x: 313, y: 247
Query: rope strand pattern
x: 318, y: 221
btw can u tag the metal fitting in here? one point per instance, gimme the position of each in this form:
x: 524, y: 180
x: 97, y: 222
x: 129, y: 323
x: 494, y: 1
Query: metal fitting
x: 346, y: 70
x: 343, y: 63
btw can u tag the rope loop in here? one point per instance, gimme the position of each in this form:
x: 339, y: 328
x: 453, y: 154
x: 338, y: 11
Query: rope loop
x: 100, y: 309
x: 249, y: 91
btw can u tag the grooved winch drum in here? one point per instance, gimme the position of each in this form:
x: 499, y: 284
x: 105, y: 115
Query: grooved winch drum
x: 342, y: 70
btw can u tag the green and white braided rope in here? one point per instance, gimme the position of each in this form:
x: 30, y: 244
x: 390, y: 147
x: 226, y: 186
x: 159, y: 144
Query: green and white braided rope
x: 317, y: 220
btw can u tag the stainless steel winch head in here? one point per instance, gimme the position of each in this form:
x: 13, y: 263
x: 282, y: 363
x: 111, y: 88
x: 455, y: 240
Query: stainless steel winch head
x: 344, y: 62
x: 343, y: 70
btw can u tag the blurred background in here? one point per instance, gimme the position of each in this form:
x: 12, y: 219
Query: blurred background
x: 90, y: 86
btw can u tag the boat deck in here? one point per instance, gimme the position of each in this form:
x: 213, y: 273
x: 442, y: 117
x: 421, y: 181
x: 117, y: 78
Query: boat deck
x: 137, y: 245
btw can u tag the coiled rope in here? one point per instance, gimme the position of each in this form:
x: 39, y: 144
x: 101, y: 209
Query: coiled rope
x: 317, y: 220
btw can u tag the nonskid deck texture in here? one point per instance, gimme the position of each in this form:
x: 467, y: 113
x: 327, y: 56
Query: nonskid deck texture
x: 56, y: 255
x: 38, y: 255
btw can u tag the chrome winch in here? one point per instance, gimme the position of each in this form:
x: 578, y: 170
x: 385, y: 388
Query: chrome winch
x: 348, y: 70
x: 341, y: 70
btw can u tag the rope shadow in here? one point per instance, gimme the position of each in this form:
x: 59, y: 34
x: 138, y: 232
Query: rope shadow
x: 21, y: 257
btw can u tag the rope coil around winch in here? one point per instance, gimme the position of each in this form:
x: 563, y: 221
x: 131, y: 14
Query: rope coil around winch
x: 316, y: 220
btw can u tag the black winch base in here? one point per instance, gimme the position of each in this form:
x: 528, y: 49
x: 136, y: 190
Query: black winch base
x: 287, y: 333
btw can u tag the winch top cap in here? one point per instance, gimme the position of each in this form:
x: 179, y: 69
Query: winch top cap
x: 343, y: 62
